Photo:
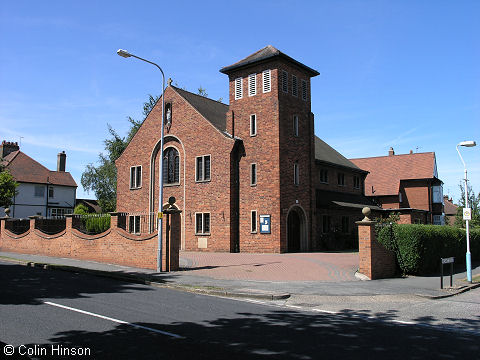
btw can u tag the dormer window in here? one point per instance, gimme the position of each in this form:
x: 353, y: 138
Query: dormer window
x: 238, y: 88
x: 252, y: 85
x: 267, y: 82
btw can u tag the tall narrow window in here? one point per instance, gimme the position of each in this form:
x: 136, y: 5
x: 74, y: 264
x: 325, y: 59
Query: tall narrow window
x: 252, y: 84
x: 135, y: 177
x: 324, y: 176
x: 253, y: 174
x: 50, y: 192
x: 295, y: 125
x: 284, y: 81
x: 253, y: 221
x: 345, y: 224
x: 325, y: 224
x: 296, y: 175
x: 134, y: 224
x: 304, y: 90
x: 356, y: 182
x: 253, y: 125
x: 294, y: 86
x: 171, y: 166
x: 202, y: 223
x: 202, y: 168
x: 238, y: 88
x: 341, y: 179
x: 267, y: 82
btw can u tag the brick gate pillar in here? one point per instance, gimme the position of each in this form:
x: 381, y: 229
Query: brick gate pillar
x: 375, y: 261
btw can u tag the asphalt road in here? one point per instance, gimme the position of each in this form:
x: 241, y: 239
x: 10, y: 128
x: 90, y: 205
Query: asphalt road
x: 45, y: 312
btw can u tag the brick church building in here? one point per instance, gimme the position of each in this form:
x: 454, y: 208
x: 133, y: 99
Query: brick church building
x: 250, y: 176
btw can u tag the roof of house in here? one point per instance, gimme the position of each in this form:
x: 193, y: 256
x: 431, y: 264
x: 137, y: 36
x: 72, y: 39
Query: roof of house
x: 266, y: 53
x: 386, y: 172
x: 449, y: 207
x: 213, y: 111
x: 327, y: 154
x: 24, y: 169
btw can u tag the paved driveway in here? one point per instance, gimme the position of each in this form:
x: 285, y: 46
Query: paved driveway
x: 272, y: 267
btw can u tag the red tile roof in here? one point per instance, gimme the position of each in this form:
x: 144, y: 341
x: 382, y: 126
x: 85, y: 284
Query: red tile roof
x: 24, y: 169
x: 387, y: 171
x: 449, y: 207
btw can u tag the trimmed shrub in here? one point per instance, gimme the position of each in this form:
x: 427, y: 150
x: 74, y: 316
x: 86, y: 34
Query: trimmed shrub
x: 97, y: 224
x: 420, y: 247
x: 80, y: 209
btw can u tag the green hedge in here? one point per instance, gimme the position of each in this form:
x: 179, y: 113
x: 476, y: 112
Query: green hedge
x: 420, y: 247
x: 96, y: 224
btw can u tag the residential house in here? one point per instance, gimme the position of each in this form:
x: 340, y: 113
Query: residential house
x: 450, y: 210
x: 41, y: 191
x: 407, y: 184
x: 245, y: 175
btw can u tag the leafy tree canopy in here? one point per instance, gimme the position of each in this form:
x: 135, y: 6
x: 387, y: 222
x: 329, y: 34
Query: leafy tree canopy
x: 8, y: 187
x: 102, y: 178
x: 473, y: 203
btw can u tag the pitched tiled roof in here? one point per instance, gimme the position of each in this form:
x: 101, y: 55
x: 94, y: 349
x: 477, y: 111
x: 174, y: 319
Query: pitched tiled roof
x: 327, y: 154
x: 449, y: 207
x: 387, y: 171
x: 213, y: 111
x: 263, y: 54
x: 24, y: 169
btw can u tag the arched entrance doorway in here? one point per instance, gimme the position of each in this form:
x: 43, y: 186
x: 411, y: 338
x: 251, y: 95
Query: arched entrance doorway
x: 296, y: 230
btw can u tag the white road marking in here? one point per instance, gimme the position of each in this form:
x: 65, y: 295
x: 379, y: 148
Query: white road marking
x: 114, y: 320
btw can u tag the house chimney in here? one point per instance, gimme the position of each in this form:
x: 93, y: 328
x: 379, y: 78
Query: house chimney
x: 8, y: 147
x: 411, y: 151
x: 391, y: 152
x: 61, y: 160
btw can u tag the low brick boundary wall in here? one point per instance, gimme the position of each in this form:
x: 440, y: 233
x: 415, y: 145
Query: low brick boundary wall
x: 114, y: 246
x: 375, y: 261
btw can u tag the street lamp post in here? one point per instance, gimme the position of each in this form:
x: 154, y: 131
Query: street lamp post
x: 468, y: 255
x: 126, y: 54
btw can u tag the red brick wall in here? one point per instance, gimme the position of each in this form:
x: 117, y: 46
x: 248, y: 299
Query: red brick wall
x: 192, y: 135
x: 375, y: 261
x: 114, y: 246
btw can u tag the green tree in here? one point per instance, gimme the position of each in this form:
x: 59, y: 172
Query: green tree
x: 473, y: 203
x: 102, y: 179
x: 8, y: 187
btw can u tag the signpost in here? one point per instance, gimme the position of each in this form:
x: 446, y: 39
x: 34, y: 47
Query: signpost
x: 450, y: 261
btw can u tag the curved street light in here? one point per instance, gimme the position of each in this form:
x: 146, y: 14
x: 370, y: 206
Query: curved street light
x: 126, y: 54
x: 468, y: 255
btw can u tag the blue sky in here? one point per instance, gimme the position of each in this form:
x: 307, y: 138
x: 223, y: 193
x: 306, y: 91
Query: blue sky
x: 404, y: 74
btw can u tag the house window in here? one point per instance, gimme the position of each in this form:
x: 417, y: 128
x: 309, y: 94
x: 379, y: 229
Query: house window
x: 203, y: 168
x: 356, y: 182
x: 400, y: 199
x: 59, y: 212
x: 304, y: 90
x: 253, y: 174
x: 50, y: 192
x: 253, y: 221
x: 341, y: 179
x: 202, y: 223
x: 324, y: 176
x: 238, y: 88
x: 284, y: 81
x: 437, y: 194
x: 39, y: 191
x: 345, y: 224
x: 253, y: 125
x: 296, y: 175
x: 294, y: 86
x: 134, y: 224
x: 135, y: 177
x: 325, y: 224
x: 252, y: 84
x: 295, y: 125
x: 171, y: 166
x: 267, y: 82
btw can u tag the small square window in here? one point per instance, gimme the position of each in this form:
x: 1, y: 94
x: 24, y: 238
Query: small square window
x: 202, y: 223
x: 39, y: 191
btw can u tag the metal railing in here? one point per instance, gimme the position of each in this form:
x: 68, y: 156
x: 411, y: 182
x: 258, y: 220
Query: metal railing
x: 91, y: 224
x: 52, y: 225
x: 138, y: 223
x: 17, y: 226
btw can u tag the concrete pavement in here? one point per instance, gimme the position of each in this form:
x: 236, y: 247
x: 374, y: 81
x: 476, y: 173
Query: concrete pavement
x: 307, y: 276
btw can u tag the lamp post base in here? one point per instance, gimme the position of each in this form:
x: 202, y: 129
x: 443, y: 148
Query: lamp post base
x: 469, y: 267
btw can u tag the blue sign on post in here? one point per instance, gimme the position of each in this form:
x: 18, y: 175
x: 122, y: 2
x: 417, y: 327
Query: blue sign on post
x: 265, y: 224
